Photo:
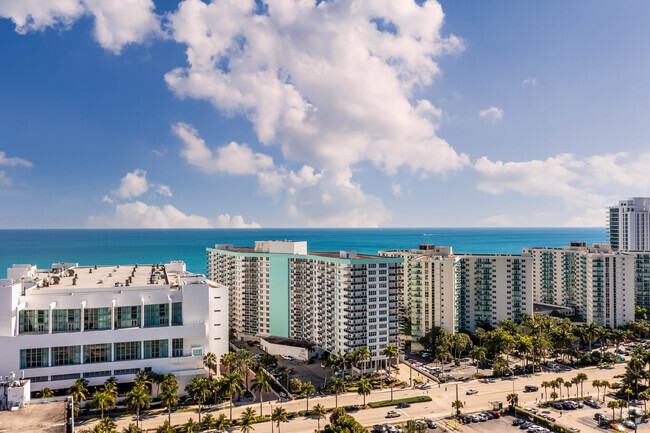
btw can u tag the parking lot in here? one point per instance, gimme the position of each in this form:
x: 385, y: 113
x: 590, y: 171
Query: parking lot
x: 583, y: 418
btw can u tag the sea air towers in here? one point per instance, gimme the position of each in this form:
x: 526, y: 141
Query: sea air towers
x: 629, y: 225
x: 338, y: 300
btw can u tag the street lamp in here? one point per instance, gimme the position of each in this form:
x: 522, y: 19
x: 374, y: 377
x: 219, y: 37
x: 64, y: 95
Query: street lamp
x: 514, y: 406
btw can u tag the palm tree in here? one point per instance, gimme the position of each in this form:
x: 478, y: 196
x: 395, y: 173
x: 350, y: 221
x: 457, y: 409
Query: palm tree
x: 592, y: 331
x: 390, y: 352
x: 581, y: 378
x: 568, y: 384
x: 308, y: 389
x: 143, y: 378
x: 546, y: 384
x: 198, y: 390
x: 138, y: 398
x: 246, y: 420
x: 222, y: 423
x: 131, y: 428
x: 458, y: 405
x: 478, y: 355
x: 512, y: 399
x: 278, y: 416
x: 166, y: 428
x: 103, y: 400
x: 362, y: 356
x: 210, y: 362
x: 190, y: 426
x: 106, y: 426
x: 644, y: 396
x: 612, y: 404
x: 621, y: 405
x: 596, y: 384
x: 46, y: 393
x: 605, y: 384
x: 554, y: 396
x: 364, y: 388
x: 261, y: 384
x: 78, y: 391
x: 338, y: 387
x: 169, y: 397
x: 559, y: 381
x: 226, y: 360
x: 320, y: 412
x: 231, y: 384
x: 208, y: 421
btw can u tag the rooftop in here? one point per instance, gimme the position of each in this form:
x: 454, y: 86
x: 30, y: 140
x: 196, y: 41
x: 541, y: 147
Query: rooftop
x: 328, y: 254
x: 284, y: 341
x: 36, y: 418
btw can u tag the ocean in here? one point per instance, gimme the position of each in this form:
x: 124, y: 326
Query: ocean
x: 108, y: 247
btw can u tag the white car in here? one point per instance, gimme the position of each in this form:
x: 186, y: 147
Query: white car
x: 472, y: 391
x: 287, y: 358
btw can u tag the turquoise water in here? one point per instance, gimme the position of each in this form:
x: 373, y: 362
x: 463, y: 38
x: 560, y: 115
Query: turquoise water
x: 107, y: 247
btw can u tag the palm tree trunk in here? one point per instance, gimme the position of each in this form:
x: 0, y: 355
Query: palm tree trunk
x: 137, y: 419
x: 169, y: 413
x: 261, y: 414
x: 102, y: 412
x: 231, y: 407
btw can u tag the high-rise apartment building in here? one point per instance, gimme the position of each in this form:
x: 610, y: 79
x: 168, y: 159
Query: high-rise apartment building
x: 462, y: 291
x: 597, y: 282
x: 629, y: 225
x: 339, y: 301
x: 69, y: 322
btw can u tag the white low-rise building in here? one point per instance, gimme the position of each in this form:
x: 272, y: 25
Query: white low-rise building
x: 71, y: 322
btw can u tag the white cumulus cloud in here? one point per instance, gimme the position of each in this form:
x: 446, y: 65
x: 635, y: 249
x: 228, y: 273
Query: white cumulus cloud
x: 492, y: 114
x: 13, y: 161
x: 134, y: 184
x: 295, y: 73
x: 141, y: 215
x: 233, y: 158
x: 117, y: 22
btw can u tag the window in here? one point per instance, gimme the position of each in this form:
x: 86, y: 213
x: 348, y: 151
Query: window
x: 97, y: 353
x: 66, y: 355
x: 156, y: 349
x: 66, y: 320
x: 97, y: 318
x: 127, y: 317
x: 177, y: 313
x: 156, y: 315
x: 33, y: 320
x: 31, y: 358
x: 127, y: 350
x: 177, y: 347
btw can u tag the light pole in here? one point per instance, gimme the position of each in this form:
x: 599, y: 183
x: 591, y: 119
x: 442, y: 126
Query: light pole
x: 514, y: 405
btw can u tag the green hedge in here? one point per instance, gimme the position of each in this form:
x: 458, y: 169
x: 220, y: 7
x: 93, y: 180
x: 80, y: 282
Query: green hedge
x: 386, y: 403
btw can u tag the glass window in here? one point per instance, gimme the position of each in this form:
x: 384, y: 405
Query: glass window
x: 127, y: 350
x: 97, y: 353
x: 31, y: 358
x: 66, y: 320
x: 66, y: 355
x: 127, y: 317
x: 177, y: 347
x: 97, y: 318
x: 156, y: 315
x: 156, y: 349
x: 34, y: 320
x: 177, y: 313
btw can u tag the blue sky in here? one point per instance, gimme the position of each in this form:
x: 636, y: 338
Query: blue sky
x: 184, y: 114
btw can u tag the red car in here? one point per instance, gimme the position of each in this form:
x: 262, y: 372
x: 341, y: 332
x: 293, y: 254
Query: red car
x: 495, y: 413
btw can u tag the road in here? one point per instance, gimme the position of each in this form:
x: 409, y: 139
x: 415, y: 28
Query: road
x: 488, y: 390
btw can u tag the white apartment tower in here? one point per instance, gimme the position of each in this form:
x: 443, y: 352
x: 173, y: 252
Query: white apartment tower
x: 339, y: 301
x: 597, y: 282
x: 70, y: 322
x: 629, y: 225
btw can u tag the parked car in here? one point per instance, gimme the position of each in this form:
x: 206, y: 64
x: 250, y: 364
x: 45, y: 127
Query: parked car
x: 617, y: 427
x: 472, y: 391
x: 523, y: 426
x: 495, y: 413
x: 591, y: 403
x: 635, y: 411
x: 474, y: 418
x: 393, y: 414
x: 379, y: 428
x: 403, y: 405
x: 599, y: 416
x: 517, y: 421
x: 531, y: 388
x: 287, y: 358
x: 488, y: 415
x: 482, y: 417
x: 466, y: 419
x: 431, y: 424
x: 629, y: 424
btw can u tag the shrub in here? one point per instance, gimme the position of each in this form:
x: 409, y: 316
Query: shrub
x: 385, y: 403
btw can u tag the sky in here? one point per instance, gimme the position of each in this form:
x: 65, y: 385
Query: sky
x: 328, y: 113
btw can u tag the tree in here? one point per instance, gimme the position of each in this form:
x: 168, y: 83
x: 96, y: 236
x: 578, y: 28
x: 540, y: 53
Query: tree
x: 308, y: 389
x: 138, y: 398
x: 78, y: 390
x: 198, y: 390
x: 166, y: 427
x: 132, y: 428
x: 621, y: 404
x: 107, y: 426
x: 546, y: 384
x: 295, y: 385
x: 227, y: 359
x: 559, y: 381
x: 612, y: 404
x: 364, y: 388
x: 568, y: 384
x: 478, y: 355
x: 102, y: 400
x: 246, y: 420
x: 644, y: 397
x: 169, y: 397
x: 554, y: 396
x: 320, y: 412
x: 338, y: 387
x: 46, y: 393
x: 191, y: 426
x: 278, y: 416
x: 208, y: 422
x: 458, y: 405
x: 362, y: 356
x: 210, y: 362
x: 592, y: 330
x: 231, y: 383
x: 144, y: 378
x: 512, y: 399
x: 605, y: 384
x: 597, y: 384
x: 390, y: 352
x: 222, y: 423
x: 581, y: 378
x: 261, y: 384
